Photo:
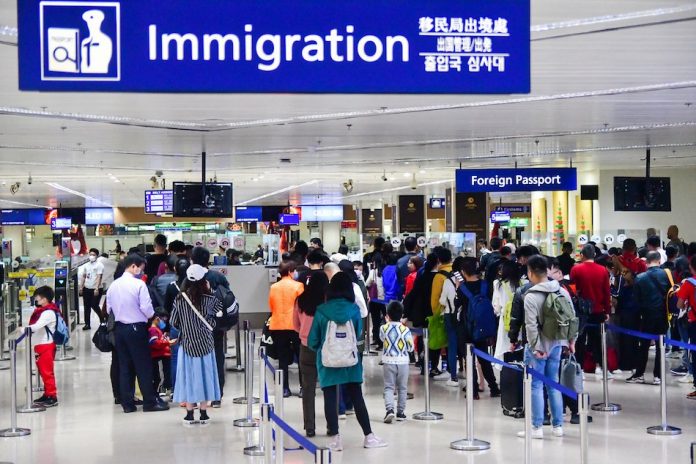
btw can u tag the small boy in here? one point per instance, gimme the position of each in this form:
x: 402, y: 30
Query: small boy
x: 397, y: 344
x: 161, y: 353
x: 43, y: 321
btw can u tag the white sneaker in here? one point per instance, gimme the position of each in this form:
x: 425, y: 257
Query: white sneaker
x: 373, y: 441
x: 686, y: 379
x: 442, y: 377
x: 537, y: 433
x: 336, y: 443
x: 452, y: 383
x: 342, y: 417
x: 598, y: 372
x: 657, y: 381
x: 558, y: 431
x: 617, y: 372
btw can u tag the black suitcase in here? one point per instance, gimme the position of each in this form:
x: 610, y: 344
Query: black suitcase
x: 511, y: 386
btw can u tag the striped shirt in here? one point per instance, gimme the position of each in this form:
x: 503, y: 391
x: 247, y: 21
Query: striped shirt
x: 196, y: 339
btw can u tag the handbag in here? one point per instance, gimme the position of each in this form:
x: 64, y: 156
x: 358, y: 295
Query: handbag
x: 267, y: 340
x: 101, y: 339
x: 437, y: 335
x: 571, y: 374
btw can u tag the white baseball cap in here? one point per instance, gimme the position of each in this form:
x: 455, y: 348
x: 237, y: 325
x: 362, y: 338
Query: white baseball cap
x: 196, y: 272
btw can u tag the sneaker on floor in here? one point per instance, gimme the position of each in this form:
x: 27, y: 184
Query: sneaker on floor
x: 400, y: 416
x: 635, y: 379
x: 43, y: 398
x: 49, y: 402
x: 617, y: 372
x: 558, y: 431
x: 216, y: 404
x: 336, y: 443
x: 657, y: 381
x: 441, y: 377
x: 452, y: 383
x: 389, y: 417
x: 342, y: 417
x: 537, y: 433
x: 495, y: 393
x: 679, y: 371
x: 692, y: 395
x: 686, y: 379
x: 350, y: 412
x: 373, y: 441
x: 674, y: 354
x: 575, y: 419
x: 204, y: 418
x: 189, y: 420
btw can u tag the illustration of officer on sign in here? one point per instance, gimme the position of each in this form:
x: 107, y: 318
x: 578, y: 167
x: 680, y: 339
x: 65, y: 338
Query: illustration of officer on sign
x: 96, y: 49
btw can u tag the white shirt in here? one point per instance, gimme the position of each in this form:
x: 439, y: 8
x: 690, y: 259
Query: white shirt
x: 47, y: 319
x: 663, y: 255
x: 129, y: 300
x: 447, y: 297
x: 360, y: 300
x: 91, y: 272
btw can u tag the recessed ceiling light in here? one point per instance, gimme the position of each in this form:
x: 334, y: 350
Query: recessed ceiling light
x: 406, y: 174
x: 422, y: 171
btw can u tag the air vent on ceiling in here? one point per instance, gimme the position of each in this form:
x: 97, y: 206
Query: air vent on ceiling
x: 285, y: 160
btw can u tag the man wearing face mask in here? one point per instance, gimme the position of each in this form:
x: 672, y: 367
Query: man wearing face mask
x: 91, y: 286
x: 129, y: 300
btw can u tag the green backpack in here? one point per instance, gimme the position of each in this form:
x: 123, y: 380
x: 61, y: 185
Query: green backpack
x: 560, y: 322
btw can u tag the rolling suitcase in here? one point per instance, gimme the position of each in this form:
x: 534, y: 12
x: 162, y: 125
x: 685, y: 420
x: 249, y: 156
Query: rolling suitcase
x: 511, y: 386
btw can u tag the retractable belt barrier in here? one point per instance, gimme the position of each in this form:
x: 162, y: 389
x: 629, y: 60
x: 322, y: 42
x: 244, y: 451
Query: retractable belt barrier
x: 14, y: 430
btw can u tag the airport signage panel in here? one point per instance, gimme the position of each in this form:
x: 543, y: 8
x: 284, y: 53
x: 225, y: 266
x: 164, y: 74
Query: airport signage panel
x: 356, y: 46
x: 159, y: 201
x: 516, y: 180
x: 96, y: 216
x: 322, y: 213
x: 248, y: 214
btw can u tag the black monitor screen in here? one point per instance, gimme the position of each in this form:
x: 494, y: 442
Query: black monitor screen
x: 589, y: 192
x: 191, y: 199
x: 271, y: 213
x: 642, y: 194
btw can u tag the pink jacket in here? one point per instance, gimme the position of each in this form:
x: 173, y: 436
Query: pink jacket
x: 302, y: 323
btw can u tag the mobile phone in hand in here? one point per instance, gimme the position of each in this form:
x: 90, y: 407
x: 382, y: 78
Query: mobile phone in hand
x: 458, y: 276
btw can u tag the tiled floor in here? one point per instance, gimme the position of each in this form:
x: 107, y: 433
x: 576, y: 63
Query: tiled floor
x: 88, y: 428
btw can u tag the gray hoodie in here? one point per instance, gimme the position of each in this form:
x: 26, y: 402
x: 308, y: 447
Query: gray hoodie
x: 534, y: 319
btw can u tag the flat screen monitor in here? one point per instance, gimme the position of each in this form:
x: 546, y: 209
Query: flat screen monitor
x: 322, y: 213
x: 193, y: 199
x: 248, y: 214
x: 26, y: 217
x: 97, y: 216
x: 289, y: 219
x: 61, y: 223
x: 642, y: 194
x: 271, y: 213
x: 159, y: 201
x: 500, y: 216
x: 77, y: 214
x: 437, y: 203
x: 589, y: 192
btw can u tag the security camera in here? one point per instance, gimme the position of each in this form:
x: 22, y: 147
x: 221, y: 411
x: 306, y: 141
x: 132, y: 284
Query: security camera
x: 414, y: 184
x: 348, y: 186
x: 29, y: 180
x: 159, y: 173
x: 384, y: 176
x: 14, y: 188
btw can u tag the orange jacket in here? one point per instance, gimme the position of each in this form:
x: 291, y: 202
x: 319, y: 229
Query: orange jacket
x: 281, y: 300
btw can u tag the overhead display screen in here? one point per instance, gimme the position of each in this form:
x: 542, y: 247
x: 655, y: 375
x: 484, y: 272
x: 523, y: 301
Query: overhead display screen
x: 96, y: 216
x: 248, y: 214
x: 642, y: 194
x: 159, y: 201
x: 193, y: 199
x: 322, y: 213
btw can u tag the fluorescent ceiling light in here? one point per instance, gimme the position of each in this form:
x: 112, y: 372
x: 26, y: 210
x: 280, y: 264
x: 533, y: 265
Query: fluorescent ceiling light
x: 75, y: 192
x: 270, y: 194
x: 24, y: 204
x: 394, y: 189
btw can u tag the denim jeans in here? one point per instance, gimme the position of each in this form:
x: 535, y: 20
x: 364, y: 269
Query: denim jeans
x: 452, y: 344
x: 548, y: 367
x: 684, y: 335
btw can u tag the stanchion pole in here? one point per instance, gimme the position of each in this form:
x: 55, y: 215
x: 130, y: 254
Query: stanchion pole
x: 249, y: 420
x: 249, y: 342
x: 605, y: 406
x: 527, y: 416
x: 29, y: 406
x: 267, y: 431
x: 238, y: 349
x: 583, y: 406
x: 663, y: 428
x: 367, y: 351
x: 39, y: 384
x: 322, y: 456
x: 259, y: 450
x: 3, y: 328
x: 470, y: 443
x: 13, y: 431
x: 278, y: 409
x: 427, y: 415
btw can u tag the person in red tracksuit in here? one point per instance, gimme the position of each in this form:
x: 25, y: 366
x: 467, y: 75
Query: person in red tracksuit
x: 43, y: 321
x: 161, y: 353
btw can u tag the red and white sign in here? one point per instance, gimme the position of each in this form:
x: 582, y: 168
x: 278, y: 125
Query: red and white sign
x: 198, y: 243
x: 212, y: 243
x: 224, y: 243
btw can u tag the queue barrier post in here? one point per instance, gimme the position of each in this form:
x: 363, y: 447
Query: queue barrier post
x: 663, y: 428
x: 249, y: 420
x: 260, y: 449
x: 39, y: 387
x: 583, y: 406
x: 527, y: 416
x: 278, y: 410
x: 238, y: 367
x: 29, y: 406
x: 13, y: 431
x: 267, y: 430
x: 368, y: 333
x: 470, y: 443
x: 605, y: 405
x: 427, y: 415
x: 322, y: 456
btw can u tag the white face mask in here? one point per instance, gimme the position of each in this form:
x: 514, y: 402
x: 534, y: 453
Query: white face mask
x: 92, y: 258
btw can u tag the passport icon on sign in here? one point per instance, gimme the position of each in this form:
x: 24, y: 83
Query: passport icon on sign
x: 80, y: 40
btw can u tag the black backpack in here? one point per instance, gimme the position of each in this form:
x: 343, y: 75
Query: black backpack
x: 230, y: 309
x: 417, y: 302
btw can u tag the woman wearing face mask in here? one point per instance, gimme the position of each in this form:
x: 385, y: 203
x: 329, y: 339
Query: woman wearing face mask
x: 194, y: 315
x: 91, y: 286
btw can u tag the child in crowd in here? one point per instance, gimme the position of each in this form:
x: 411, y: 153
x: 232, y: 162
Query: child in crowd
x: 161, y: 354
x: 397, y: 344
x: 43, y: 321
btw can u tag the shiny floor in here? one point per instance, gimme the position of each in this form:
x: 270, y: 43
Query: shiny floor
x: 88, y: 428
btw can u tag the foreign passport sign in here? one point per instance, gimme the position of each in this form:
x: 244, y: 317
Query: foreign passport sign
x: 378, y: 46
x: 516, y: 180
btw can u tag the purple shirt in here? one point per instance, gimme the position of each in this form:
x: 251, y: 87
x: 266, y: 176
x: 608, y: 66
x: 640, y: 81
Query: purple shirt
x: 129, y: 300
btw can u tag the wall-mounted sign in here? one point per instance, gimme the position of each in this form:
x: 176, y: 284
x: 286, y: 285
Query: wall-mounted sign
x: 396, y: 242
x: 411, y: 213
x: 371, y: 221
x: 437, y: 203
x: 159, y: 201
x: 516, y: 180
x: 96, y: 216
x: 582, y: 239
x: 470, y: 209
x: 322, y: 213
x: 224, y: 243
x: 421, y: 242
x: 384, y: 46
x: 502, y: 215
x: 609, y: 239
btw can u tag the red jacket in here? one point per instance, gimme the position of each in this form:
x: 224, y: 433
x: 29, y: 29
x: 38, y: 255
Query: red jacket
x: 592, y: 283
x: 159, y: 346
x: 633, y: 262
x: 39, y: 310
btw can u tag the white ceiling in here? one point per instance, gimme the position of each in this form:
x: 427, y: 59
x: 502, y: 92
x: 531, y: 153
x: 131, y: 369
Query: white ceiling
x: 608, y: 80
